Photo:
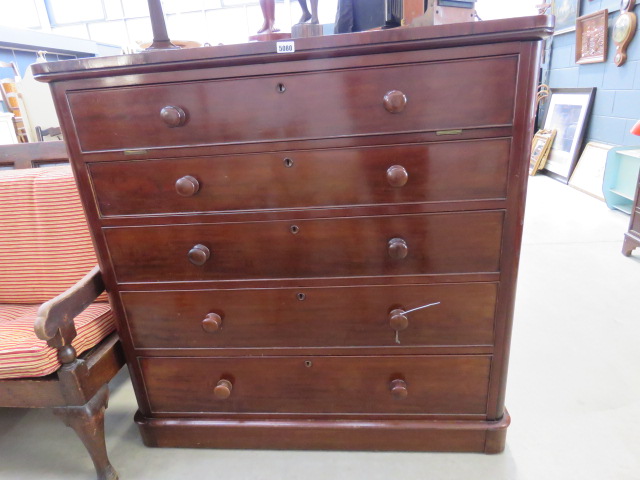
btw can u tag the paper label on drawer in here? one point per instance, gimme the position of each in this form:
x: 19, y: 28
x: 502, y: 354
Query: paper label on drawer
x: 285, y: 47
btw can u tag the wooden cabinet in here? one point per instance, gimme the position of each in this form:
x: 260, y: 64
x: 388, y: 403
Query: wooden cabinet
x: 316, y: 249
x: 632, y: 237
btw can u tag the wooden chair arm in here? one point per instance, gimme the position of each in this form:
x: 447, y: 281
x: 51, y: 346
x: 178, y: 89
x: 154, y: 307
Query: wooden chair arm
x: 54, y: 322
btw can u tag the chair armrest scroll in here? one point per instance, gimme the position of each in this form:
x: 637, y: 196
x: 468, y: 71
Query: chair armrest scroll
x: 54, y: 322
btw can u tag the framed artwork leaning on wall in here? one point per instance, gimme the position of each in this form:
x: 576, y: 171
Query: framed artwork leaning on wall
x: 540, y: 146
x: 568, y: 113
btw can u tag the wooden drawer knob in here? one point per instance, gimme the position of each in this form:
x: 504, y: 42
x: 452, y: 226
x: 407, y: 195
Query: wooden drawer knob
x: 223, y: 389
x: 173, y: 116
x: 212, y: 323
x: 399, y: 389
x: 398, y: 320
x: 398, y: 248
x: 395, y: 101
x: 187, y: 186
x: 199, y: 255
x: 397, y: 176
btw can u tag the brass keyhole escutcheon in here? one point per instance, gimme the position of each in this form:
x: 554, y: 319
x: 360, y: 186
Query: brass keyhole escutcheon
x: 288, y: 162
x: 308, y: 363
x: 280, y: 88
x: 301, y: 296
x: 294, y: 229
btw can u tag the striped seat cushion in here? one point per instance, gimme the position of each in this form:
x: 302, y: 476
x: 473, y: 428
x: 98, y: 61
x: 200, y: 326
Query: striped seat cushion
x: 45, y: 246
x: 22, y: 354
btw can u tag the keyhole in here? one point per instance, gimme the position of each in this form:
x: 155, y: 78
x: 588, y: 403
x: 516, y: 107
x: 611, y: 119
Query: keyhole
x: 288, y: 162
x: 308, y: 363
x: 281, y: 88
x: 301, y: 296
x: 294, y: 229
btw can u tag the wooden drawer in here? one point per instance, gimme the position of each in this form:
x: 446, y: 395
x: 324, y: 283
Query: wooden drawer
x: 459, y: 94
x: 357, y: 385
x: 361, y: 246
x: 434, y: 172
x: 312, y: 317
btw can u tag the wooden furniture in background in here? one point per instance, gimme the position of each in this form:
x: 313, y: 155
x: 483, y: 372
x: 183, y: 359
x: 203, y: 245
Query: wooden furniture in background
x: 412, y: 9
x: 33, y: 155
x: 77, y: 391
x: 442, y: 12
x: 632, y: 237
x: 269, y: 226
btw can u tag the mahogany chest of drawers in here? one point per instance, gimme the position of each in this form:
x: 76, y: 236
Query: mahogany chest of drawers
x: 316, y: 249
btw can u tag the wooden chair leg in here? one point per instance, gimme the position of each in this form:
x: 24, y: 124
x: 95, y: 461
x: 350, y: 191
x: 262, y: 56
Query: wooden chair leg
x: 88, y: 423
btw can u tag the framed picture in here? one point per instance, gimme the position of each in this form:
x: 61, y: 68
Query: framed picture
x: 566, y: 12
x: 591, y: 37
x: 568, y: 113
x: 540, y: 147
x: 589, y: 173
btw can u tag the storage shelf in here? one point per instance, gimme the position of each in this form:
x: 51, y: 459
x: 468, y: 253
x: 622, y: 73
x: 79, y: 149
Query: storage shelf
x: 622, y: 194
x: 624, y: 207
x: 620, y: 178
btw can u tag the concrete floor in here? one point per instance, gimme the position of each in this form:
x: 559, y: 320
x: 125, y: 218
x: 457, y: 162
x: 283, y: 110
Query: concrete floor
x: 573, y: 389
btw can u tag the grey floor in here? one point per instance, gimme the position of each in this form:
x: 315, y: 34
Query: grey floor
x: 573, y: 389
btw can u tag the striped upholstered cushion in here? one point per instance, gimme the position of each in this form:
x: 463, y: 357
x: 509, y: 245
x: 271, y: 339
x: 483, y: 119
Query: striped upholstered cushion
x: 45, y: 245
x: 22, y: 354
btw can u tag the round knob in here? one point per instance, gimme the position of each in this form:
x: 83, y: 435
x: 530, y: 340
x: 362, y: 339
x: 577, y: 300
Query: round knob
x: 173, y: 116
x: 223, y: 389
x: 395, y: 101
x: 399, y: 389
x: 199, y: 255
x: 397, y: 176
x: 398, y: 248
x: 212, y: 323
x: 398, y: 320
x: 187, y: 186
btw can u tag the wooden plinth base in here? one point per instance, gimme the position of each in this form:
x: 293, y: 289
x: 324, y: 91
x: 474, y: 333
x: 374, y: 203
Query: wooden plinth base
x: 305, y: 30
x: 390, y: 435
x: 631, y: 242
x: 269, y: 37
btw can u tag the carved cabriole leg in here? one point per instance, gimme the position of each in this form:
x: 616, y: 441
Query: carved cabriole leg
x: 88, y: 423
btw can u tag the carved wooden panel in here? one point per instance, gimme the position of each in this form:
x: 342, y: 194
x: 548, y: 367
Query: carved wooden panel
x: 591, y: 37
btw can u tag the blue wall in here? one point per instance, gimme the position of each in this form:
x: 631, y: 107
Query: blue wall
x: 25, y: 58
x: 617, y: 100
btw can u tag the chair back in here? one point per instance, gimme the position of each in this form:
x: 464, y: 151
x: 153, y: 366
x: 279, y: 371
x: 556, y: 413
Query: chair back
x: 45, y: 245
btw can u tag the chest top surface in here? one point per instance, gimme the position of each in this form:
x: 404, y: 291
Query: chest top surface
x: 362, y: 43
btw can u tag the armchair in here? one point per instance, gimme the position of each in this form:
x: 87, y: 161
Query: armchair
x: 62, y: 352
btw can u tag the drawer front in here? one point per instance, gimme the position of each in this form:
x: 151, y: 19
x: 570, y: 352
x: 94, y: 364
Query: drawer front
x: 433, y: 384
x: 439, y: 95
x: 355, y: 176
x: 313, y: 317
x: 366, y: 246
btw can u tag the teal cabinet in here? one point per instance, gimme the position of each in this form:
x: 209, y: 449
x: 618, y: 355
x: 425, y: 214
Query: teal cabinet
x: 621, y: 178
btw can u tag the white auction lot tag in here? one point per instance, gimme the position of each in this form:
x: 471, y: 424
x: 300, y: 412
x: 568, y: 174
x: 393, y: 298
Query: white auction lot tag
x: 285, y: 47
